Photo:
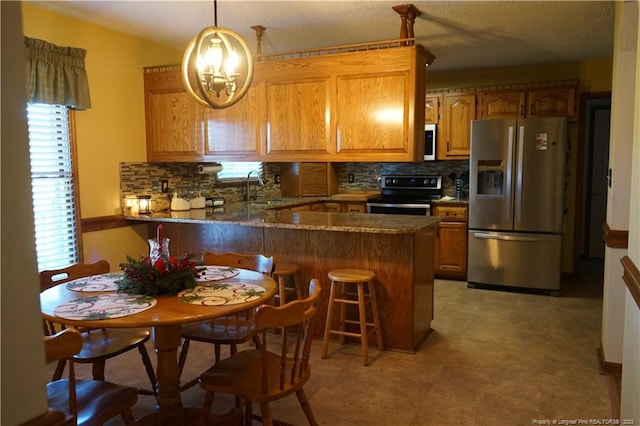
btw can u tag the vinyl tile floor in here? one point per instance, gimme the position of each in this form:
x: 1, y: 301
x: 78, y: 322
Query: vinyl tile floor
x: 493, y: 358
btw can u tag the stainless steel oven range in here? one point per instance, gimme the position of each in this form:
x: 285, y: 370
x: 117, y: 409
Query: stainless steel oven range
x: 406, y: 195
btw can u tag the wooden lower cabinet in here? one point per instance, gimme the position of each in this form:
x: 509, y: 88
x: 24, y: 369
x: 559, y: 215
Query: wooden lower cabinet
x: 450, y: 257
x: 354, y: 207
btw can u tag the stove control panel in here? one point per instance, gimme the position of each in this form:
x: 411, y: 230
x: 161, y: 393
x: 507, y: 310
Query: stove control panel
x: 412, y: 182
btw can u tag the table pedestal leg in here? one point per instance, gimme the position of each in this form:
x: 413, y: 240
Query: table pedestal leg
x: 167, y: 340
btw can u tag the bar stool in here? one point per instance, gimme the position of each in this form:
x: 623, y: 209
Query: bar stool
x: 281, y: 274
x: 362, y: 278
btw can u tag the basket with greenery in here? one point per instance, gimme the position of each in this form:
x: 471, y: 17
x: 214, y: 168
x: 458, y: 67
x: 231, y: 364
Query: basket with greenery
x: 167, y: 275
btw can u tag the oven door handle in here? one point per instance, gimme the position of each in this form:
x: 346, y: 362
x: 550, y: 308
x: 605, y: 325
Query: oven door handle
x: 400, y: 205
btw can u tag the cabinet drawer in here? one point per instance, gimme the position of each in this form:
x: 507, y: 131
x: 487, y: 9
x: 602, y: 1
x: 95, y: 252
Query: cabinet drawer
x: 451, y: 213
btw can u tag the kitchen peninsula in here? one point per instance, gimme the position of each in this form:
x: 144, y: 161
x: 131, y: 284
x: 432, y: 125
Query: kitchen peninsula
x: 399, y: 249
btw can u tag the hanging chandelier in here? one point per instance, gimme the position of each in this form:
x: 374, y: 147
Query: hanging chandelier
x: 217, y: 66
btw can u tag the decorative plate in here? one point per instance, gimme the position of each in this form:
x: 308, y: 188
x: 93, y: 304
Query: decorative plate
x: 104, y: 306
x: 221, y: 294
x: 102, y: 282
x: 214, y: 273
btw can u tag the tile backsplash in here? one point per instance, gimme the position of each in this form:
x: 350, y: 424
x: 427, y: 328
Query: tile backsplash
x: 146, y: 178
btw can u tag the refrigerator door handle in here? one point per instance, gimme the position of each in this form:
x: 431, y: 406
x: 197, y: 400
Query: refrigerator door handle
x: 507, y: 237
x: 519, y: 176
x: 508, y: 205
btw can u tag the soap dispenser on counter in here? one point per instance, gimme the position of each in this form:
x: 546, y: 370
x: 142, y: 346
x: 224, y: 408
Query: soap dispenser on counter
x: 178, y: 203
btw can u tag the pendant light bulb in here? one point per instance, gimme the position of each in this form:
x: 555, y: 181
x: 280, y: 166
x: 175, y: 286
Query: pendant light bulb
x: 217, y: 67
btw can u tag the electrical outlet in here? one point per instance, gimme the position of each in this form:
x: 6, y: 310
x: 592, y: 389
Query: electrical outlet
x: 165, y: 185
x: 350, y: 178
x: 276, y: 179
x: 155, y: 186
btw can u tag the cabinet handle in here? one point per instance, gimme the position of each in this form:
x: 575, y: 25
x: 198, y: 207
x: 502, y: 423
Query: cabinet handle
x: 522, y: 110
x: 533, y: 109
x: 448, y: 146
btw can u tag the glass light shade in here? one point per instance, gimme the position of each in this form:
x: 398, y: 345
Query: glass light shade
x: 217, y: 67
x: 144, y: 204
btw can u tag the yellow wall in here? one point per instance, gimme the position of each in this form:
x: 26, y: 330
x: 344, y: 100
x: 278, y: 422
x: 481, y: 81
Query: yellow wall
x: 112, y: 131
x: 594, y: 76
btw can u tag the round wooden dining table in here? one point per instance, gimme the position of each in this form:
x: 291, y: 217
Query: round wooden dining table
x: 165, y: 319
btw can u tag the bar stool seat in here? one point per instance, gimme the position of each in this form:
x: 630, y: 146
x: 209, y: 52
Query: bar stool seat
x: 363, y: 280
x: 283, y: 272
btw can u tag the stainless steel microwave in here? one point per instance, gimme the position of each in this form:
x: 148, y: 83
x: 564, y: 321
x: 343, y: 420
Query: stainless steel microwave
x: 429, y: 142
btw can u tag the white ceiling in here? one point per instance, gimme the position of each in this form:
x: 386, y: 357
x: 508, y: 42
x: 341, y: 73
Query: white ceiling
x: 461, y: 34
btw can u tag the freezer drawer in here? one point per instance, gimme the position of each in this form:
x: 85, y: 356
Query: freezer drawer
x: 514, y: 259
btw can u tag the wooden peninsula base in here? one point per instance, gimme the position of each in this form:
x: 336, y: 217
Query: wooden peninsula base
x: 402, y: 262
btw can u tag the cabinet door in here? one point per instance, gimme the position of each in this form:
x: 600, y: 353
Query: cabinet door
x: 329, y: 206
x: 372, y: 114
x: 297, y: 121
x: 354, y: 207
x: 174, y: 121
x: 458, y: 111
x: 502, y: 105
x: 451, y: 249
x: 432, y: 109
x: 553, y: 102
x: 234, y: 132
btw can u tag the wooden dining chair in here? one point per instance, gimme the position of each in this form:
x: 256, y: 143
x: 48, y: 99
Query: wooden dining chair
x: 98, y: 344
x: 231, y: 330
x: 84, y: 402
x: 260, y: 375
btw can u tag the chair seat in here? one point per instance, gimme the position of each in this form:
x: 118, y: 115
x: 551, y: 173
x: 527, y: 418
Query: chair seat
x: 226, y: 330
x: 237, y: 375
x: 107, y: 343
x: 97, y: 401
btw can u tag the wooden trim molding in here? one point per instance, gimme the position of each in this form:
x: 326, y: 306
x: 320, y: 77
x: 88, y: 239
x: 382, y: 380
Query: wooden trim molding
x: 615, y: 238
x: 631, y: 277
x: 608, y: 368
x: 101, y: 223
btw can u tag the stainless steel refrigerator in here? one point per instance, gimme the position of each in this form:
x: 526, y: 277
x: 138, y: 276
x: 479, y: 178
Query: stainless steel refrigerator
x: 516, y: 202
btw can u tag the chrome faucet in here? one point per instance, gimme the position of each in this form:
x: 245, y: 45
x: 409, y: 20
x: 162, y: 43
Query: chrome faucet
x: 247, y: 195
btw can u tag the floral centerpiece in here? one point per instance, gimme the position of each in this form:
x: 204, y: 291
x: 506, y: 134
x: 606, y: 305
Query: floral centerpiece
x: 158, y: 274
x: 164, y: 276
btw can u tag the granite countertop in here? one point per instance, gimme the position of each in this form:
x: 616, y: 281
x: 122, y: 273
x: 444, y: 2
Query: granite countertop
x: 451, y: 200
x: 261, y: 214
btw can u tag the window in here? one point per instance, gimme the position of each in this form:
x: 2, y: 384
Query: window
x: 239, y: 169
x: 52, y: 184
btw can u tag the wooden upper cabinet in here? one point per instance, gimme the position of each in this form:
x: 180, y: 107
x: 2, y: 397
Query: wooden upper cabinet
x: 353, y: 106
x: 432, y: 109
x: 308, y: 179
x: 372, y: 115
x: 553, y: 102
x: 458, y: 111
x: 502, y: 105
x: 296, y: 113
x: 234, y: 133
x: 175, y: 128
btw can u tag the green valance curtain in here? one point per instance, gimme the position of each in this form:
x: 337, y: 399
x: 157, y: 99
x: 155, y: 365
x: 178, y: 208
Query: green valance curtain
x: 56, y: 75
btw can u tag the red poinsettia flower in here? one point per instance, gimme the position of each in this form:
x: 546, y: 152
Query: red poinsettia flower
x: 159, y: 265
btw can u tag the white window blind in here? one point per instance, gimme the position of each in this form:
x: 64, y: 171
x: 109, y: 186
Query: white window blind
x: 52, y: 185
x: 239, y: 169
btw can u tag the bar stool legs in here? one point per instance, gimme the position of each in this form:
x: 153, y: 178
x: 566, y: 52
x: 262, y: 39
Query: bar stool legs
x: 284, y: 270
x: 338, y: 294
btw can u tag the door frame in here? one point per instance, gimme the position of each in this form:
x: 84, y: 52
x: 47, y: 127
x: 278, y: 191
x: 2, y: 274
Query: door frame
x: 583, y: 183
